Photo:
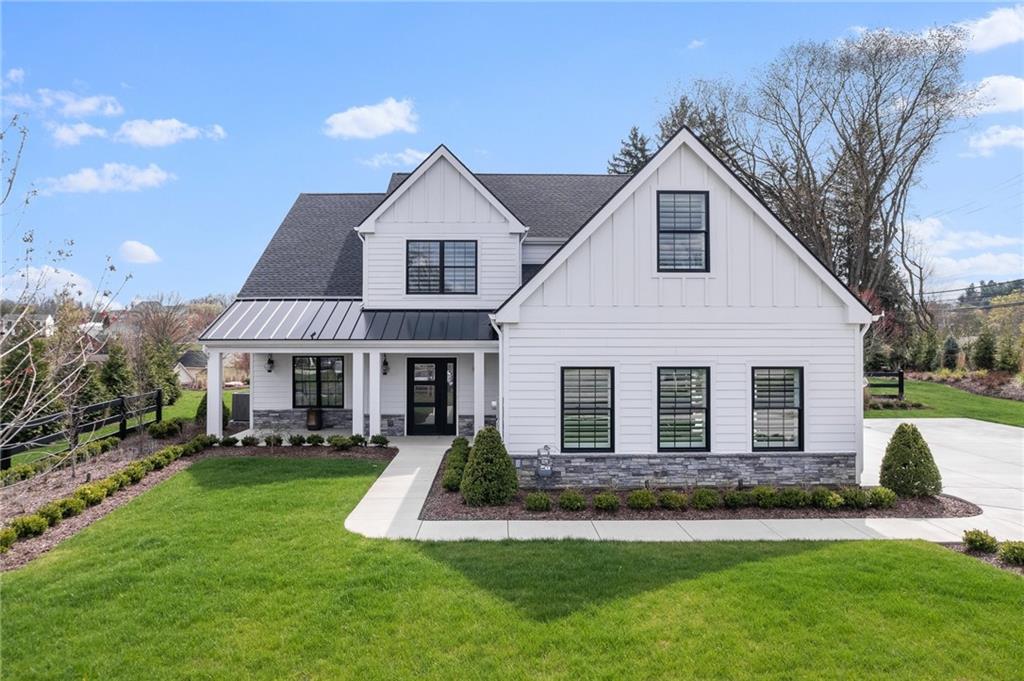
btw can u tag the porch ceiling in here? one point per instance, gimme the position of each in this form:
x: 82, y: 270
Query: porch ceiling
x: 306, y: 319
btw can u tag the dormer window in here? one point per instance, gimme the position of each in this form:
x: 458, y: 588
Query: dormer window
x: 683, y: 232
x: 440, y: 267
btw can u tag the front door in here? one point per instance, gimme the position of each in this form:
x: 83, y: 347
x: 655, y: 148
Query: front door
x: 431, y: 391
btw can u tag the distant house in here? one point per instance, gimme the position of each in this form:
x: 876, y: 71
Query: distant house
x: 191, y: 368
x: 39, y: 321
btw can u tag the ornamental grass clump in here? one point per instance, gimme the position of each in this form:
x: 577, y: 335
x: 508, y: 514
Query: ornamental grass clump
x: 490, y: 476
x: 908, y: 468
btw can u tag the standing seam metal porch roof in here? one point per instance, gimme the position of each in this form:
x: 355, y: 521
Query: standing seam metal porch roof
x: 334, y: 319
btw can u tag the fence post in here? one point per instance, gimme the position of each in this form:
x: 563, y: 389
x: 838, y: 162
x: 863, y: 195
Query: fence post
x: 123, y: 425
x: 5, y: 458
x: 900, y: 375
x: 159, y: 405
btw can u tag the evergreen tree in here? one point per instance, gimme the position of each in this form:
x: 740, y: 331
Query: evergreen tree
x: 635, y: 152
x: 950, y: 353
x: 984, y: 355
x: 116, y: 375
x: 1009, y: 355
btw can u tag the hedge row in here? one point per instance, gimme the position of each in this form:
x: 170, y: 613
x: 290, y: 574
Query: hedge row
x: 24, y: 471
x: 708, y: 498
x: 340, y: 442
x: 92, y: 493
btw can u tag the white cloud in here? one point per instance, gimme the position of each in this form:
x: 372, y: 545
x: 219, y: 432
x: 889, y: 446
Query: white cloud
x: 72, y: 105
x: 112, y: 177
x: 70, y: 135
x: 953, y: 254
x: 1000, y: 94
x: 407, y: 157
x: 49, y: 281
x: 1002, y: 26
x: 163, y: 132
x: 374, y: 120
x: 138, y: 252
x: 995, y: 137
x: 15, y: 76
x: 695, y: 44
x: 942, y: 240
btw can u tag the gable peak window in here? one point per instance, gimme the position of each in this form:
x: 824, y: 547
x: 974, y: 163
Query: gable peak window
x: 683, y: 236
x: 440, y: 267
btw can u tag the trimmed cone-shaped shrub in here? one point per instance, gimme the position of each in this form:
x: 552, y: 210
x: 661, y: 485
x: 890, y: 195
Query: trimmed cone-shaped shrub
x: 225, y: 414
x: 908, y: 467
x: 490, y: 476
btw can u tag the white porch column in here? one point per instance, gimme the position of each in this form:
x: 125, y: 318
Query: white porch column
x: 374, y: 394
x: 478, y: 391
x: 214, y: 399
x: 252, y: 395
x: 358, y: 373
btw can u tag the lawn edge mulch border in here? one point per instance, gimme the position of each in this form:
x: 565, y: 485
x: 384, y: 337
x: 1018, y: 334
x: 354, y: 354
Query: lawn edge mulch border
x: 988, y: 558
x: 26, y: 550
x: 442, y: 505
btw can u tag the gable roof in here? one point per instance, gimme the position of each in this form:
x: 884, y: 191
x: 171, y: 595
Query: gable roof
x: 316, y: 250
x: 685, y: 135
x: 193, y: 359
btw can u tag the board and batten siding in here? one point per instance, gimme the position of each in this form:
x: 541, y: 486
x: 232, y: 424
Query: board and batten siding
x: 607, y: 305
x: 441, y: 204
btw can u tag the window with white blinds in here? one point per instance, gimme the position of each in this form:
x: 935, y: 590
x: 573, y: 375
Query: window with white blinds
x: 778, y: 414
x: 440, y: 267
x: 683, y: 232
x: 588, y: 409
x: 683, y: 412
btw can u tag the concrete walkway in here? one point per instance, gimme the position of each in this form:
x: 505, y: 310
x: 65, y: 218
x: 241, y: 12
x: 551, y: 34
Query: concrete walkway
x: 980, y: 462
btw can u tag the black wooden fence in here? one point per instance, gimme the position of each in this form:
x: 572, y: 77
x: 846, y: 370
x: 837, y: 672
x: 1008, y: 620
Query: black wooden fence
x: 85, y: 420
x: 894, y: 383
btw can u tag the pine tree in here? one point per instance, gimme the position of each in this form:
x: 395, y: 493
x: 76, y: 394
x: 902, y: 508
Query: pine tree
x: 984, y: 353
x: 950, y: 353
x: 1009, y: 355
x: 635, y: 152
x: 116, y: 375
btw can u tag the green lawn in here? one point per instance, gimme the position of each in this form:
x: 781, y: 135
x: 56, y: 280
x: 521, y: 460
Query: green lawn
x: 945, y: 401
x: 241, y: 568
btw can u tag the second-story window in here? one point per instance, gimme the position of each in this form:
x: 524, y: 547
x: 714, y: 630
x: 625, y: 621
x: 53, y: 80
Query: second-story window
x: 440, y: 267
x: 683, y: 232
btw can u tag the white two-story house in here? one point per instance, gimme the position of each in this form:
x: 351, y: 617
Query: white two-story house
x: 663, y: 327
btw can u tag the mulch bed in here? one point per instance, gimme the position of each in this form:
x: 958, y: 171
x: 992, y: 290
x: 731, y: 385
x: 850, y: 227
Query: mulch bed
x: 444, y: 505
x: 26, y: 550
x: 990, y: 558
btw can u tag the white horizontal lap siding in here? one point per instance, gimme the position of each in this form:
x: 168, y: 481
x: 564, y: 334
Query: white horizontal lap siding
x: 273, y: 390
x: 537, y: 253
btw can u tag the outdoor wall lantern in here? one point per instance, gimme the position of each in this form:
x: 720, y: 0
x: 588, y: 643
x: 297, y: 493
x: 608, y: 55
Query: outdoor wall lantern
x: 384, y: 366
x: 270, y: 363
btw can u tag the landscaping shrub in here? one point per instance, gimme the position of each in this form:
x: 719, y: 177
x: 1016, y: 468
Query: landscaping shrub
x: 641, y: 500
x: 1008, y: 358
x: 273, y: 440
x: 606, y: 502
x: 794, y: 497
x: 53, y: 512
x: 7, y: 538
x: 572, y: 500
x: 358, y: 439
x: 228, y: 441
x: 250, y: 441
x: 455, y: 464
x: 31, y: 525
x: 490, y: 477
x: 135, y: 471
x: 823, y: 497
x: 980, y: 541
x: 1012, y: 552
x: 765, y: 496
x: 206, y: 440
x: 672, y: 500
x: 167, y: 428
x: 379, y: 440
x: 908, y: 468
x: 705, y: 499
x: 296, y: 440
x: 71, y: 506
x: 201, y: 413
x: 109, y: 485
x: 315, y: 440
x: 736, y: 498
x: 882, y: 497
x: 854, y: 497
x: 91, y: 494
x: 538, y: 502
x: 983, y: 354
x: 340, y: 442
x: 950, y: 353
x: 452, y: 479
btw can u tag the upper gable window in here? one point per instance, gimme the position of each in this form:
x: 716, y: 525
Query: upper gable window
x: 683, y: 232
x: 440, y: 267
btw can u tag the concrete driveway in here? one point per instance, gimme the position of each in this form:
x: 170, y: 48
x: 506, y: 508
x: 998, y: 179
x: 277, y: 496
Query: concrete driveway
x: 980, y: 461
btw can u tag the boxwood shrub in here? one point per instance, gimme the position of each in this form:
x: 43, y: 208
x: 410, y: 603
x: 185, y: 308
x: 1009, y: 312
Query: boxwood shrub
x: 538, y: 502
x: 315, y: 439
x: 908, y: 468
x: 882, y: 497
x: 228, y: 441
x: 340, y: 442
x: 358, y: 439
x: 705, y: 499
x: 572, y: 500
x: 250, y: 441
x: 455, y: 464
x: 641, y: 500
x: 71, y: 506
x: 672, y: 500
x: 490, y: 476
x: 765, y: 496
x: 738, y: 498
x: 1012, y: 552
x: 379, y: 440
x: 7, y: 538
x: 53, y: 512
x: 824, y: 498
x: 980, y: 541
x: 606, y: 502
x: 135, y: 471
x: 91, y: 494
x: 30, y: 525
x: 794, y: 497
x: 855, y: 497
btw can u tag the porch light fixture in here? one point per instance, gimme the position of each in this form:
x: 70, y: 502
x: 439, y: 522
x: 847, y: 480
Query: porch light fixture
x: 270, y: 363
x: 384, y: 366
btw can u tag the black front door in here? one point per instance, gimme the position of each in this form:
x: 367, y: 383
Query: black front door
x: 431, y: 391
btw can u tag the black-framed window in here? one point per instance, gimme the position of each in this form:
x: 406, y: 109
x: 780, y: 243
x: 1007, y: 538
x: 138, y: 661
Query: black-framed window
x: 683, y: 243
x: 318, y: 381
x: 440, y: 267
x: 588, y: 409
x: 683, y: 408
x: 778, y: 408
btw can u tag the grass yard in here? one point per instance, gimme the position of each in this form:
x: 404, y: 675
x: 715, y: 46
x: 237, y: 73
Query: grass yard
x: 945, y: 401
x: 240, y: 568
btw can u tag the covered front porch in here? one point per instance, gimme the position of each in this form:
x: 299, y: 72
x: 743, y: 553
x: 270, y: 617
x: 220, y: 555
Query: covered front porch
x: 328, y: 364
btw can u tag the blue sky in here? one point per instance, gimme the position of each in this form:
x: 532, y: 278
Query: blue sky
x: 180, y: 134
